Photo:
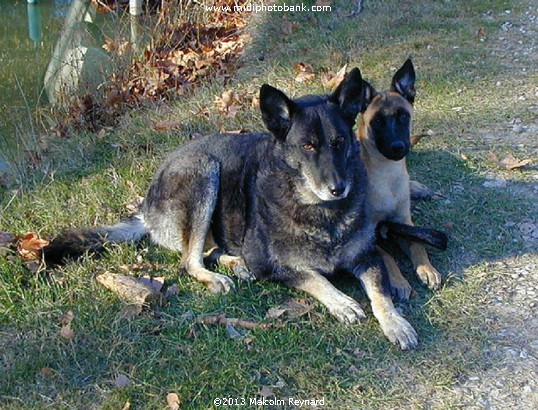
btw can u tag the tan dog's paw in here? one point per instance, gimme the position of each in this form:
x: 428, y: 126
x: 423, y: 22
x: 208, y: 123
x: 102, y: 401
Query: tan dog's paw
x: 429, y: 276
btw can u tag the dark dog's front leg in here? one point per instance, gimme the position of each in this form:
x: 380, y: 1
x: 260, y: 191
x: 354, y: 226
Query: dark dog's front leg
x: 374, y: 281
x: 341, y: 306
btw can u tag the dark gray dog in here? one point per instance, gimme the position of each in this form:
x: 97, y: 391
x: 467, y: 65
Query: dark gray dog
x: 289, y: 206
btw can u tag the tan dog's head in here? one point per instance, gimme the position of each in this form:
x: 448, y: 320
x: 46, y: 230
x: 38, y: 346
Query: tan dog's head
x: 386, y: 119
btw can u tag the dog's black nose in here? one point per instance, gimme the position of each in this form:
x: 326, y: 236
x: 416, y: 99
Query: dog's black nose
x: 397, y: 147
x: 337, y: 190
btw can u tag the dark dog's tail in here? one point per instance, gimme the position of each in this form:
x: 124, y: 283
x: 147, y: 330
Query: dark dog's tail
x: 73, y: 243
x: 429, y: 236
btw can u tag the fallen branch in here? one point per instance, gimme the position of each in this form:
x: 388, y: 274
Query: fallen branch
x: 224, y: 321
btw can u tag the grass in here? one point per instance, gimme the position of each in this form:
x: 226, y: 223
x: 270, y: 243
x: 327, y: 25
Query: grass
x: 88, y: 180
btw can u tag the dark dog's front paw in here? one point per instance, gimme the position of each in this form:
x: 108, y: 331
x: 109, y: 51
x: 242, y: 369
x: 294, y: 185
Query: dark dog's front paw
x: 243, y: 273
x: 399, y: 331
x: 220, y: 284
x: 346, y: 310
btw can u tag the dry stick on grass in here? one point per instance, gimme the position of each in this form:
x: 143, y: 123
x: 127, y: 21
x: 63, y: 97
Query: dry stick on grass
x: 224, y: 321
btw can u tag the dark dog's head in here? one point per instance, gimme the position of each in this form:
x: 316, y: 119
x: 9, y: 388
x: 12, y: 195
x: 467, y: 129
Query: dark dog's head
x: 314, y: 134
x: 387, y: 118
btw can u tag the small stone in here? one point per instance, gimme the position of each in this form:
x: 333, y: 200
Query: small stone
x: 494, y: 183
x: 529, y: 389
x: 518, y: 129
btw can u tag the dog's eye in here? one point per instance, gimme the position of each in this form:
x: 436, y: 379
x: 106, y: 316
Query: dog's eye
x: 404, y: 117
x: 308, y: 147
x: 336, y: 142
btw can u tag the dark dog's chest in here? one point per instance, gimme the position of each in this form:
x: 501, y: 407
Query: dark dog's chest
x: 286, y: 234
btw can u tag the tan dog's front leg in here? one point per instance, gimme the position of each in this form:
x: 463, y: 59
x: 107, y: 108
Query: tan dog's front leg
x: 399, y: 286
x: 425, y: 271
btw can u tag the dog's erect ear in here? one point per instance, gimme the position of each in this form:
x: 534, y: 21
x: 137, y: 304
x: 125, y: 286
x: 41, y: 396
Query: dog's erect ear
x: 368, y: 94
x: 349, y: 95
x: 277, y: 110
x: 403, y: 81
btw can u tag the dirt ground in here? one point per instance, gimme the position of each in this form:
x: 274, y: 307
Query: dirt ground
x: 511, y: 382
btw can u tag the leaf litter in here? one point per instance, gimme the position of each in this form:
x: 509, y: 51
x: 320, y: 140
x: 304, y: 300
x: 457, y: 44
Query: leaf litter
x: 181, y: 56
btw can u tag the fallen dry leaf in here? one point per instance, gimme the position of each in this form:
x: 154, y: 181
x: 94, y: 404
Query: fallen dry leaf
x: 67, y: 318
x: 47, y: 371
x: 416, y: 138
x: 330, y: 82
x: 226, y: 100
x: 29, y: 247
x: 167, y: 125
x: 232, y: 111
x: 228, y: 103
x: 510, y: 162
x: 292, y: 308
x: 126, y: 406
x: 67, y: 333
x: 129, y: 288
x: 275, y: 312
x: 305, y: 72
x: 172, y: 399
x: 266, y: 391
x: 121, y: 381
x: 133, y: 206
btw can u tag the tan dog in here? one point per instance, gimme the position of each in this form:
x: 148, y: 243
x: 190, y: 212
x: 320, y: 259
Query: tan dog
x: 384, y: 133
